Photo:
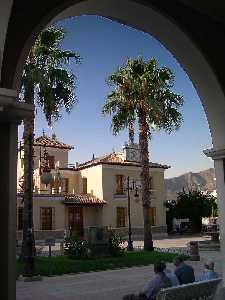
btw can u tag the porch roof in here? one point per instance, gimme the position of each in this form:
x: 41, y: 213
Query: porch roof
x: 83, y: 199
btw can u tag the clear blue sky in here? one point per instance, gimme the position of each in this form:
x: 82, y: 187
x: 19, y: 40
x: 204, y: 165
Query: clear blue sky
x: 104, y: 45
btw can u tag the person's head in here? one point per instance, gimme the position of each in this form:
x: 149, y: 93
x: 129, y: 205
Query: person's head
x: 159, y: 267
x: 209, y: 265
x: 163, y: 264
x: 178, y: 260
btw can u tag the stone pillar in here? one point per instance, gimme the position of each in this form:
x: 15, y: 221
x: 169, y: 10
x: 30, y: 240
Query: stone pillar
x: 219, y: 162
x: 8, y: 159
x: 220, y: 185
x: 11, y: 113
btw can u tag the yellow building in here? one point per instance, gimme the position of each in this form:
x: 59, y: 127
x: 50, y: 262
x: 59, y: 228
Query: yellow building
x: 93, y: 193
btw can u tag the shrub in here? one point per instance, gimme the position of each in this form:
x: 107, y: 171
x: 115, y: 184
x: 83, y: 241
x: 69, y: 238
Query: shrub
x: 76, y: 248
x: 115, y: 244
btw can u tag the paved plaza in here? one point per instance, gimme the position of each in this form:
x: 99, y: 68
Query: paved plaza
x: 103, y: 285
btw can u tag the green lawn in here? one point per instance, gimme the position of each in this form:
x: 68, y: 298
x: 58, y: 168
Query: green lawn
x: 62, y: 265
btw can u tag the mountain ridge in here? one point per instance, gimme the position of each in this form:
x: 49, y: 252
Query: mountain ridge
x: 205, y: 180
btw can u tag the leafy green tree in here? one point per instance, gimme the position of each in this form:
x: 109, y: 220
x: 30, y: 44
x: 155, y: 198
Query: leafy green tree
x: 193, y: 204
x: 48, y: 82
x: 141, y: 90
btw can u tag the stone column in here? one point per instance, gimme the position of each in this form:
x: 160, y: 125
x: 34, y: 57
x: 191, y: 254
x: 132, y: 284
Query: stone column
x: 8, y: 159
x: 220, y: 185
x: 219, y: 162
x: 11, y: 113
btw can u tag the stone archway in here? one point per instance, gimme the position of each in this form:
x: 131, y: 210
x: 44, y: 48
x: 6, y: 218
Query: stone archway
x: 192, y: 36
x: 169, y: 25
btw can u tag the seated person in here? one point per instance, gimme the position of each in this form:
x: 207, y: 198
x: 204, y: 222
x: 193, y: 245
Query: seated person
x: 159, y: 281
x: 209, y: 272
x: 185, y: 273
x: 172, y: 277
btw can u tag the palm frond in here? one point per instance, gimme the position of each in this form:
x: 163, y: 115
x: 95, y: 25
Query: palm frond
x: 47, y: 69
x: 142, y: 85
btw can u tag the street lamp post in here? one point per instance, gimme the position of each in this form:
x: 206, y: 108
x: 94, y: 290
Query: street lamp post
x: 131, y: 185
x: 130, y: 242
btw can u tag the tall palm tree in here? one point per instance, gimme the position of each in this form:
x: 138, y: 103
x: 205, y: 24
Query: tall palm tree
x: 48, y: 82
x: 141, y: 90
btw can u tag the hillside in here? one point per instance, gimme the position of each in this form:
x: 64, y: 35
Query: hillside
x: 204, y: 179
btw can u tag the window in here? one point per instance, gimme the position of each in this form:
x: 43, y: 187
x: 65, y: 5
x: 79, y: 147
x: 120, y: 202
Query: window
x: 47, y: 218
x: 120, y: 217
x: 152, y: 215
x: 20, y: 218
x: 66, y: 185
x: 51, y: 161
x: 84, y: 183
x: 119, y: 184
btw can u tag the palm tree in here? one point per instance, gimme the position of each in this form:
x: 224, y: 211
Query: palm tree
x: 48, y: 82
x: 141, y: 90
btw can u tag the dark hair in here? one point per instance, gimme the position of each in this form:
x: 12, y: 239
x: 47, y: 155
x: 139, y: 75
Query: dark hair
x: 179, y: 258
x: 163, y: 264
x: 159, y: 267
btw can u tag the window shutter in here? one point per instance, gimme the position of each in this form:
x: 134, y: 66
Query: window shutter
x: 120, y: 217
x: 84, y: 183
x: 152, y: 215
x: 53, y: 218
x: 66, y: 185
x: 119, y: 184
x: 46, y: 218
x: 51, y: 162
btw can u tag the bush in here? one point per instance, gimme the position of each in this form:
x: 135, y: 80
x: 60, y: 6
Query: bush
x: 76, y: 248
x: 115, y: 244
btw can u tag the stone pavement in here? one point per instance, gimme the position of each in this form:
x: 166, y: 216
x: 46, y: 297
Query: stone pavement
x: 175, y: 241
x: 105, y: 285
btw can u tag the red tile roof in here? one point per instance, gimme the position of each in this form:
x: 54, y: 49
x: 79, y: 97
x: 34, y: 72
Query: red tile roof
x: 83, y: 199
x: 116, y: 158
x: 51, y: 142
x: 77, y: 199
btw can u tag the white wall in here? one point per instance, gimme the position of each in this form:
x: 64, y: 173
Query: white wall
x: 94, y: 180
x: 61, y: 156
x: 109, y: 191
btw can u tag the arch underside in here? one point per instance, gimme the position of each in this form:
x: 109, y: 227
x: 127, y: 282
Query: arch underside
x: 193, y: 38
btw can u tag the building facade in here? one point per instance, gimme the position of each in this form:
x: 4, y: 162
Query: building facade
x: 94, y: 193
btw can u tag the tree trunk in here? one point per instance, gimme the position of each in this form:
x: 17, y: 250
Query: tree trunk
x: 145, y: 180
x: 131, y: 131
x: 28, y: 244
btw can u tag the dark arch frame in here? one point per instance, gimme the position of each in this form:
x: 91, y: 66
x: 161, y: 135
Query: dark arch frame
x: 197, y: 26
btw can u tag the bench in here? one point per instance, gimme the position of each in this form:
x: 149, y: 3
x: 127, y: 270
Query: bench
x: 193, y: 291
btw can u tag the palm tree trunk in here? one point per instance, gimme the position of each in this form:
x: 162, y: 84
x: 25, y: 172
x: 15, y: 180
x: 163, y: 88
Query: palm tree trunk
x: 28, y: 244
x: 131, y: 131
x: 145, y: 179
